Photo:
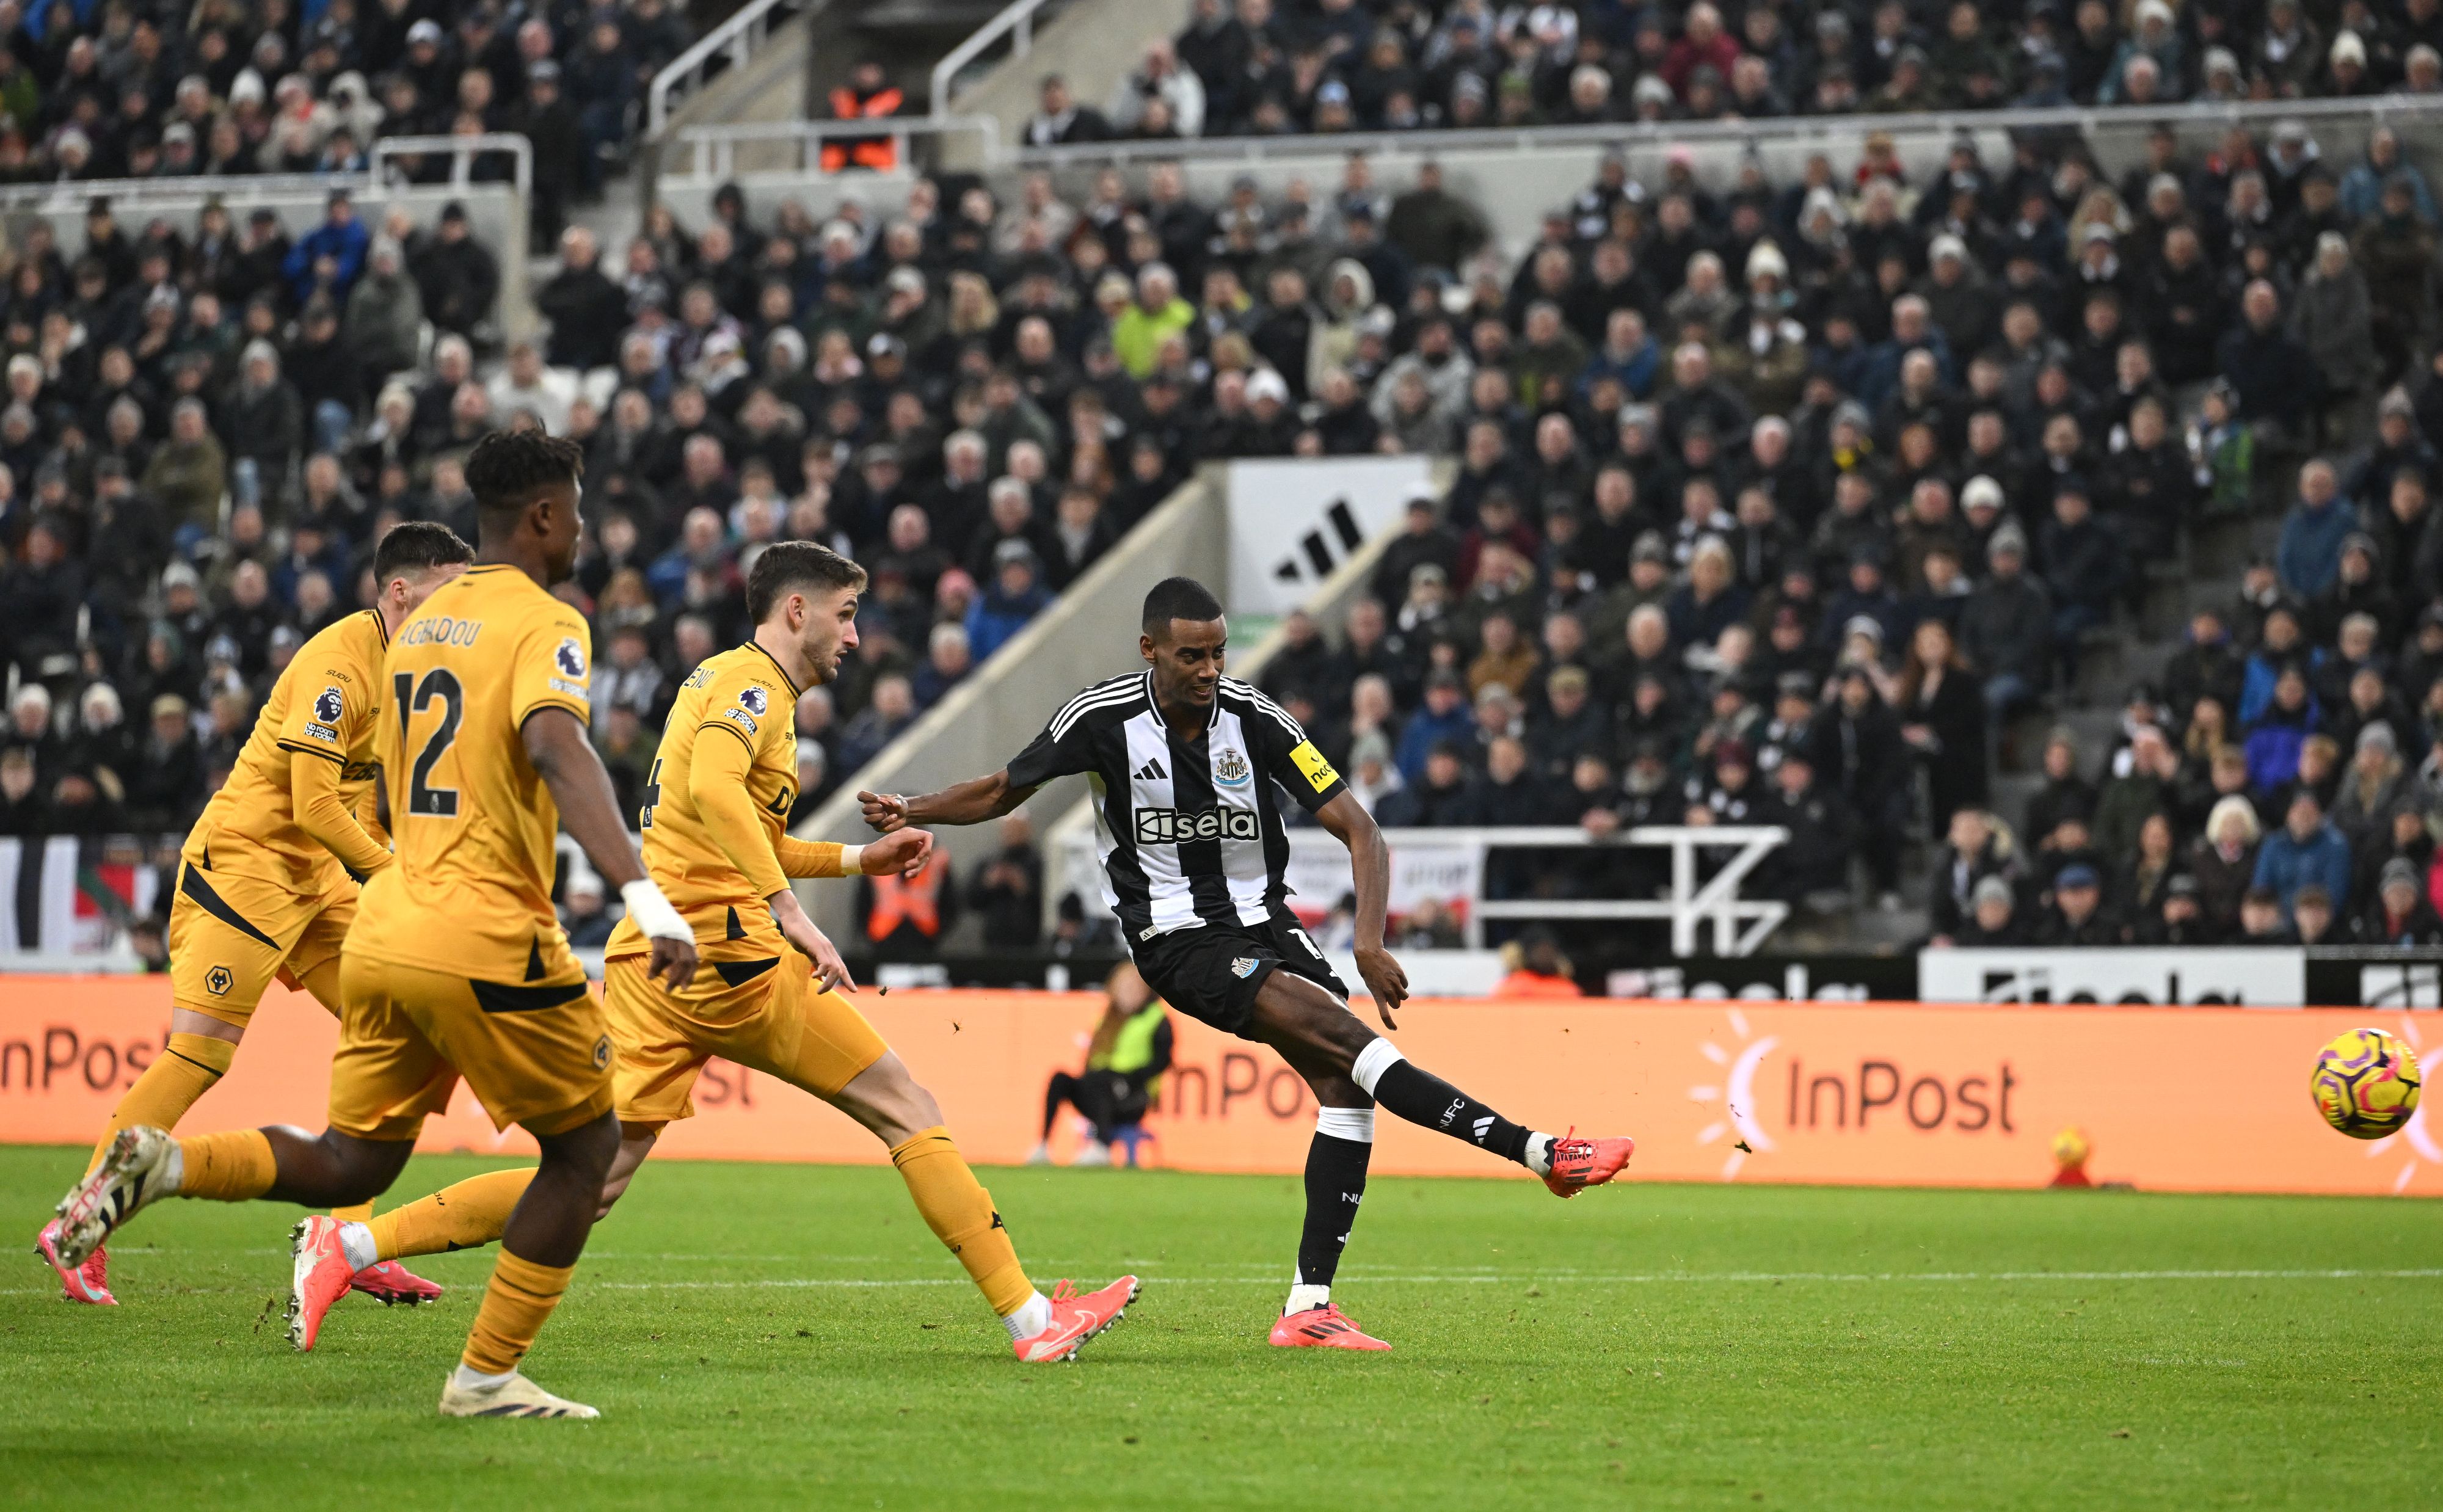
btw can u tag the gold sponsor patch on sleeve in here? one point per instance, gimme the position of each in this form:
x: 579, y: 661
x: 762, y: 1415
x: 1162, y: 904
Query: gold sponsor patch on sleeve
x: 1310, y: 760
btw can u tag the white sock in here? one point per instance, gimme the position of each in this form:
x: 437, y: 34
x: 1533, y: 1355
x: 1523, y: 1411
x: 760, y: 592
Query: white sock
x: 1378, y: 1056
x: 1539, y: 1153
x: 356, y: 1242
x: 1033, y: 1316
x: 174, y: 1171
x: 1305, y: 1297
x: 475, y: 1380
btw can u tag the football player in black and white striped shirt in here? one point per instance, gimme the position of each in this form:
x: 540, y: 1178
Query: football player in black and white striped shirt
x: 1184, y: 763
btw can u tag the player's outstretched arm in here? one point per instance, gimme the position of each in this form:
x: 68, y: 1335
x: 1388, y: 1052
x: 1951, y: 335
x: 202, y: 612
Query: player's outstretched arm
x: 970, y: 802
x: 314, y: 798
x: 589, y: 811
x: 1370, y: 867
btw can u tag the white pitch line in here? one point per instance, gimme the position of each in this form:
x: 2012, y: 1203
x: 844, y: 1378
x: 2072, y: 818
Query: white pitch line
x: 1746, y: 1278
x: 1647, y: 1278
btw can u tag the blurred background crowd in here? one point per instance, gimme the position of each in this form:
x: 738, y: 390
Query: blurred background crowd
x: 1836, y: 500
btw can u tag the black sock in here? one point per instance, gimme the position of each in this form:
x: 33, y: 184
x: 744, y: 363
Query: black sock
x: 1422, y: 1097
x: 1335, y: 1183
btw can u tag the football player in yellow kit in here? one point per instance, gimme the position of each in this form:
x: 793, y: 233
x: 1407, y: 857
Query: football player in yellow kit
x: 265, y: 888
x: 766, y: 993
x: 485, y: 756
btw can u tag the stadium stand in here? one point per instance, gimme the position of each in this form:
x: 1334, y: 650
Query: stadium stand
x: 1251, y: 67
x: 2024, y: 518
x: 94, y: 92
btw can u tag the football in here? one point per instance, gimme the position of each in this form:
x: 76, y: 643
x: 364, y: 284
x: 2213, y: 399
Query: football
x: 2365, y: 1084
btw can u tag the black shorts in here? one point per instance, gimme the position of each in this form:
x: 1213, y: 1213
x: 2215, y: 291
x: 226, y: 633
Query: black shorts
x: 1212, y: 973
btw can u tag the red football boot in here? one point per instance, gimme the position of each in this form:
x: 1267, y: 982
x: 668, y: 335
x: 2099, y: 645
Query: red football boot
x: 1324, y: 1327
x: 89, y: 1283
x: 320, y: 1275
x: 391, y: 1284
x: 1075, y: 1319
x: 1578, y: 1164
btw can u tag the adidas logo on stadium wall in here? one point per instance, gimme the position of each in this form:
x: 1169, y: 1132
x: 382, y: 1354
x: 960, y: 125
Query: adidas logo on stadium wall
x: 1317, y: 557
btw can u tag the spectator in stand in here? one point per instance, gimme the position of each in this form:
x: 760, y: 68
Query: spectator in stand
x: 1992, y: 916
x: 1014, y: 597
x: 2398, y: 913
x: 1006, y: 891
x: 2007, y: 629
x: 2306, y: 851
x: 2309, y: 556
x: 2076, y: 916
x: 948, y: 661
x: 1059, y: 121
x: 2312, y: 917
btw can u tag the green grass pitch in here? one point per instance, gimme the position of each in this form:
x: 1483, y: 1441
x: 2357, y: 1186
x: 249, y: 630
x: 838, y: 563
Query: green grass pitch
x: 792, y: 1336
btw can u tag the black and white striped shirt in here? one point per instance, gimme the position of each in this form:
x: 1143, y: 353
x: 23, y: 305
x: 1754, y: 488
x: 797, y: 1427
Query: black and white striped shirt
x: 1188, y: 831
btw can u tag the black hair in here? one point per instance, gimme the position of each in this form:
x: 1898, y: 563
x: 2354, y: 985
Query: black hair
x: 418, y: 546
x: 787, y: 564
x: 1179, y: 598
x: 507, y: 467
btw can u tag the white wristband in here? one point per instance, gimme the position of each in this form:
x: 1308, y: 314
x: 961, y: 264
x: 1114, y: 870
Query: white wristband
x: 851, y: 860
x: 653, y: 912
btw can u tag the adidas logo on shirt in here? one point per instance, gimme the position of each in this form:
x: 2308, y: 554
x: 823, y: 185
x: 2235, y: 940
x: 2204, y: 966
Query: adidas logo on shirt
x: 1151, y: 771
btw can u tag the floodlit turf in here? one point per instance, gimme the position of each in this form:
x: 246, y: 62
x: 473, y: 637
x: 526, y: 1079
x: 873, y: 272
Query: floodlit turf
x: 792, y: 1336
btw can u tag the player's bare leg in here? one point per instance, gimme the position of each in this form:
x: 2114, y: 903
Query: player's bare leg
x: 284, y: 1164
x: 200, y: 1050
x: 1352, y: 1068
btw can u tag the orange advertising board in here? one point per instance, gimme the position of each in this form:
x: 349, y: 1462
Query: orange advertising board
x: 2176, y: 1099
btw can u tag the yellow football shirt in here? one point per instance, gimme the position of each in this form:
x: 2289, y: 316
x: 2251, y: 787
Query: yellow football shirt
x: 470, y: 819
x: 735, y: 718
x: 326, y: 704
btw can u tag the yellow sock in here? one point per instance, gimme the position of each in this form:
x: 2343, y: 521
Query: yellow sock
x: 464, y: 1217
x: 516, y: 1305
x: 960, y: 1211
x: 360, y: 1212
x: 233, y: 1167
x: 168, y: 1086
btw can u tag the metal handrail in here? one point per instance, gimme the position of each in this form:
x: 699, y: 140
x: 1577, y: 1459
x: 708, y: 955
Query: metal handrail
x: 1740, y: 925
x: 1786, y: 128
x: 735, y: 40
x: 135, y: 192
x: 1016, y: 21
x: 712, y: 150
x: 462, y: 152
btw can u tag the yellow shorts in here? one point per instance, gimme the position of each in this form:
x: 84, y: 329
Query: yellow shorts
x: 231, y: 936
x: 764, y: 1015
x: 535, y: 1054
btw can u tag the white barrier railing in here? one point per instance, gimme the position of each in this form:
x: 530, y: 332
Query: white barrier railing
x: 726, y: 46
x: 462, y: 151
x: 1918, y: 133
x: 134, y: 193
x: 1657, y: 134
x: 1447, y: 866
x: 1016, y: 22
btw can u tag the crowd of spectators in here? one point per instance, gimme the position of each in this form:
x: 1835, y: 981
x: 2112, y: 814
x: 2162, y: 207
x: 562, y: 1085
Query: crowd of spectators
x: 1253, y: 68
x: 1775, y: 502
x: 153, y: 89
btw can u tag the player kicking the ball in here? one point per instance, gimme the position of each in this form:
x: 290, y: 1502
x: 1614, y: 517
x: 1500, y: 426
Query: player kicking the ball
x: 265, y: 883
x: 1182, y: 761
x: 766, y: 993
